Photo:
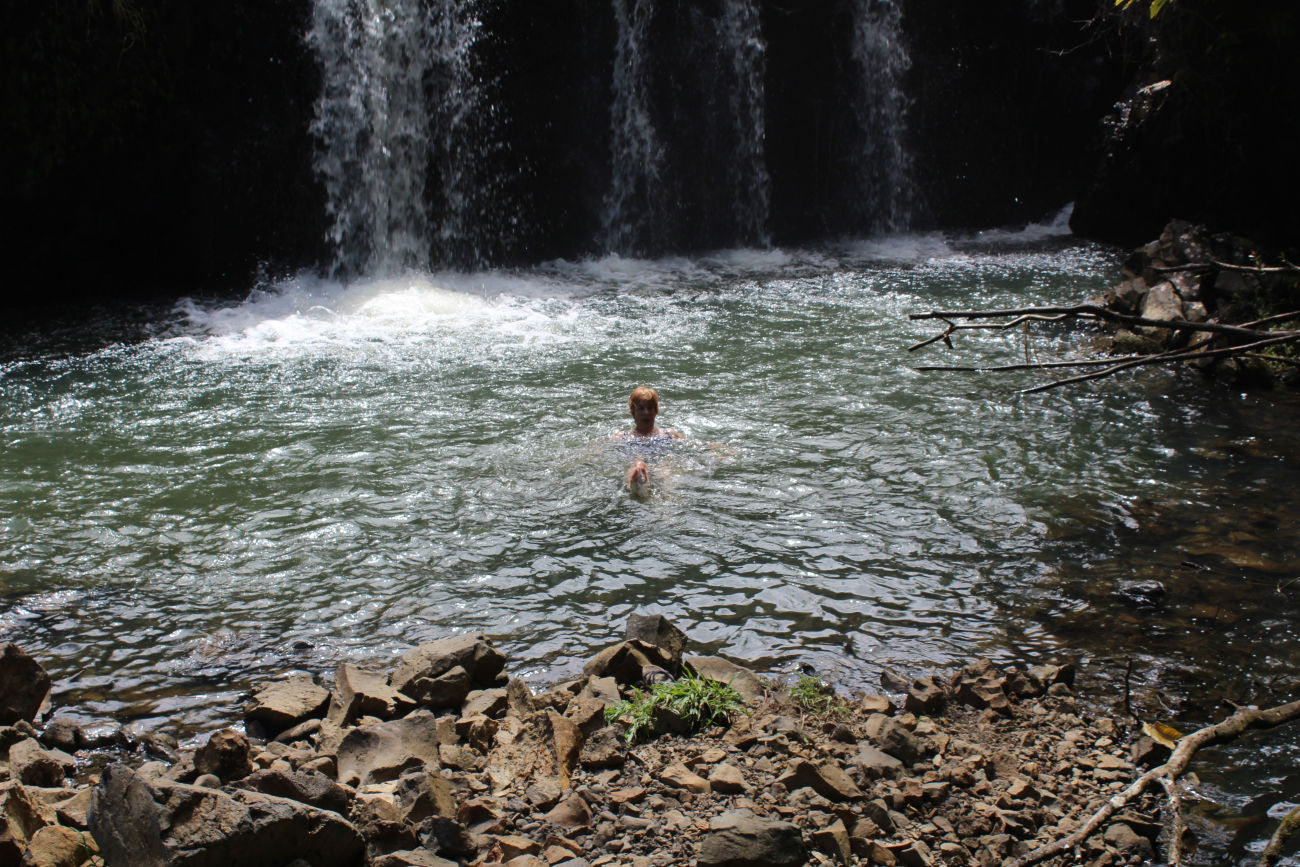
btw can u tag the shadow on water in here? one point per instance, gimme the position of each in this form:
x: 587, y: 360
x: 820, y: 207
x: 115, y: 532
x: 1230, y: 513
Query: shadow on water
x: 1193, y: 598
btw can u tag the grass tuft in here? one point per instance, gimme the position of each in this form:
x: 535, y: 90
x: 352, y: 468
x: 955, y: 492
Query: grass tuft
x: 695, y: 700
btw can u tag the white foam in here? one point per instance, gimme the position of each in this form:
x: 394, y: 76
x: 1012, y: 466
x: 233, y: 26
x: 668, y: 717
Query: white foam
x: 309, y: 313
x: 900, y: 249
x: 1056, y: 227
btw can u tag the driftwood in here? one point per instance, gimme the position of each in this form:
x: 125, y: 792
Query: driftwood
x: 1166, y: 775
x: 1272, y: 852
x: 1244, y: 338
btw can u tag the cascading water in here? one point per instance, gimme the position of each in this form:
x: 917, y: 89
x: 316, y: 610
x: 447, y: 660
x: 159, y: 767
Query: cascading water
x: 742, y: 41
x: 634, y: 205
x: 883, y: 182
x: 398, y: 94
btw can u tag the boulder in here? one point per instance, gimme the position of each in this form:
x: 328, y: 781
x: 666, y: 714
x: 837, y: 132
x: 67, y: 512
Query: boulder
x: 828, y: 780
x: 894, y: 739
x: 305, y: 787
x: 656, y: 630
x: 741, y: 679
x: 382, y: 752
x: 572, y: 812
x: 490, y: 703
x: 63, y: 734
x: 924, y: 697
x: 365, y: 693
x: 225, y: 755
x: 419, y: 670
x: 56, y: 846
x: 282, y: 704
x: 22, y: 815
x: 1162, y: 303
x: 162, y: 824
x: 876, y: 763
x: 727, y: 779
x: 34, y: 766
x: 24, y: 685
x: 547, y: 745
x: 626, y: 661
x: 741, y: 839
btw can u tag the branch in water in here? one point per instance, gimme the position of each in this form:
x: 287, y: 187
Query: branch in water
x: 1231, y: 728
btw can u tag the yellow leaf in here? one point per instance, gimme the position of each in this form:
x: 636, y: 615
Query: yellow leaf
x: 1166, y: 736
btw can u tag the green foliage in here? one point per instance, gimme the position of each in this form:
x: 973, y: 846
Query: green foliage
x: 812, y: 695
x: 697, y: 701
x: 1156, y: 5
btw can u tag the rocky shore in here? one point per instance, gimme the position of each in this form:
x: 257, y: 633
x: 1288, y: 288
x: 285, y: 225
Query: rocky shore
x: 1190, y: 274
x: 446, y: 759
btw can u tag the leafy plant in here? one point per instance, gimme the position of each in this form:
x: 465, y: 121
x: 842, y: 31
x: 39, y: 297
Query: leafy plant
x: 812, y: 695
x: 1156, y: 5
x: 695, y: 700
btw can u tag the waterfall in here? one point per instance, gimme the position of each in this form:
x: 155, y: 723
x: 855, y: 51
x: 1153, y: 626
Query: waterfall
x: 634, y: 206
x: 751, y: 187
x: 881, y: 163
x: 398, y: 94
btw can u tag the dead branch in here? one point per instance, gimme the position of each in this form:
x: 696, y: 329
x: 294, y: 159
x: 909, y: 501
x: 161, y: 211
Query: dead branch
x: 1165, y: 357
x: 1290, y: 824
x: 1285, y: 268
x: 1091, y: 311
x: 1243, y: 720
x: 1042, y: 365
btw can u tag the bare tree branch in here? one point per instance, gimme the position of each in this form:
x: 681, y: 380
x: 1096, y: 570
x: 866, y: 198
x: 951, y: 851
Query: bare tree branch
x: 1239, y: 723
x: 1093, y: 311
x: 1284, y: 337
x: 1272, y: 852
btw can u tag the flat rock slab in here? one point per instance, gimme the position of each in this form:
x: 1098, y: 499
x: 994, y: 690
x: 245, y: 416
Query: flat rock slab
x: 383, y: 752
x: 282, y: 704
x: 741, y: 839
x: 153, y: 823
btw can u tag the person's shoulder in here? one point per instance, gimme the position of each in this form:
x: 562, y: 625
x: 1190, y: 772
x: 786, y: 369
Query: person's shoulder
x: 673, y: 433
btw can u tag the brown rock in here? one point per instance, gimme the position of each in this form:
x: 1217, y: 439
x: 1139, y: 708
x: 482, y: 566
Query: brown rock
x: 827, y: 780
x: 33, y: 766
x: 547, y: 745
x: 281, y: 704
x: 24, y: 685
x: 226, y: 755
x: 924, y: 697
x: 741, y: 679
x: 656, y: 630
x: 491, y: 703
x: 56, y: 846
x: 63, y: 734
x: 877, y: 704
x: 834, y: 841
x: 679, y: 776
x: 572, y: 812
x: 366, y: 693
x: 625, y: 661
x: 727, y: 779
x: 514, y: 846
x: 603, y: 749
x: 385, y: 751
x: 473, y: 654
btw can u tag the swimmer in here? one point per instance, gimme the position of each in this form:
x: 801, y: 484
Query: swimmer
x: 638, y: 478
x: 643, y: 406
x: 645, y: 440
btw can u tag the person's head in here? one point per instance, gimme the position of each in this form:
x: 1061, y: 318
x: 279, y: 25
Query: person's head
x: 643, y: 396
